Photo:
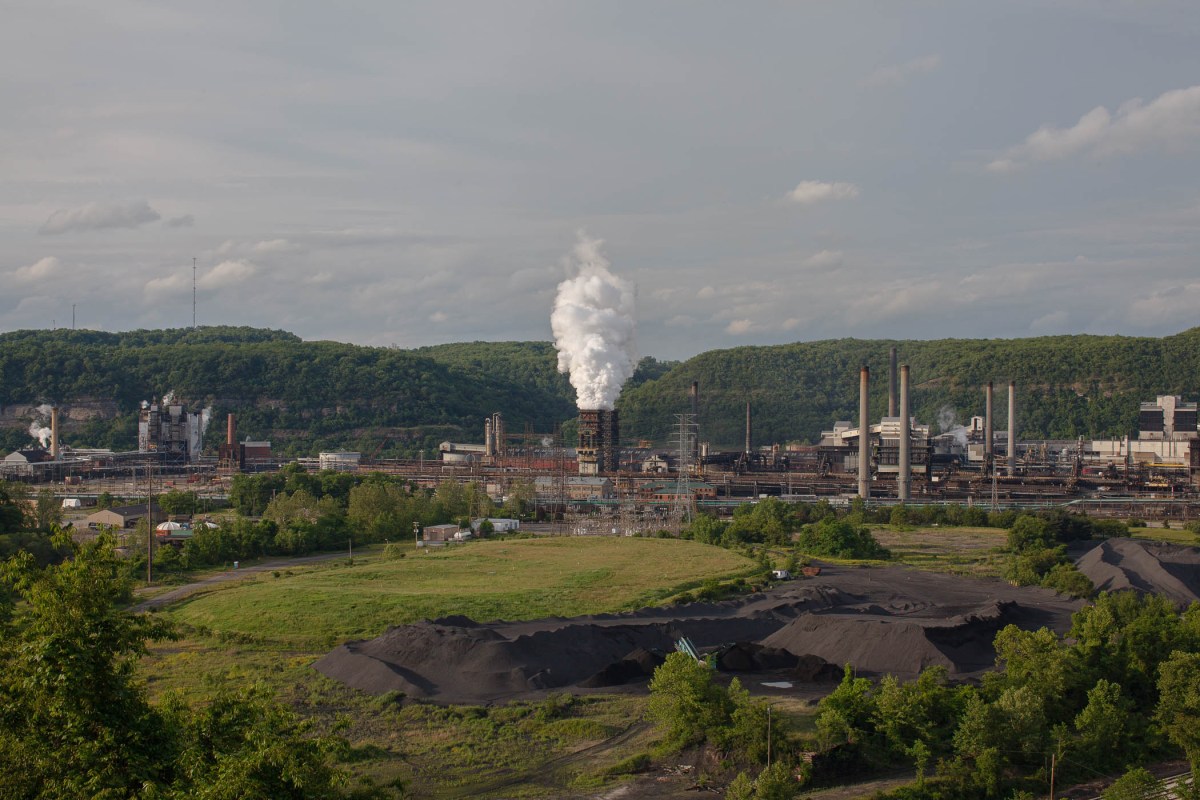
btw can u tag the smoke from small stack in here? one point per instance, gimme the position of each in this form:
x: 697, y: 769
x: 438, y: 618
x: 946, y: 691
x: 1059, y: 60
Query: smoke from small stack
x: 594, y: 326
x: 38, y: 428
x: 947, y: 419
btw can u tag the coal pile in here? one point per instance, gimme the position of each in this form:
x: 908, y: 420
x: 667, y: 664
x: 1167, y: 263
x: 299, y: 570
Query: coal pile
x: 1150, y: 567
x: 880, y: 620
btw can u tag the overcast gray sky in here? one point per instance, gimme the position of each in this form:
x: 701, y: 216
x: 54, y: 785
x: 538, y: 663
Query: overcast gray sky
x: 408, y: 174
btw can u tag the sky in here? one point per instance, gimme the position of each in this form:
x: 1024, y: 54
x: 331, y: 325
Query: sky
x: 405, y: 174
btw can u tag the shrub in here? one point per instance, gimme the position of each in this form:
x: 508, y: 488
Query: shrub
x: 840, y: 539
x: 1134, y: 522
x: 1066, y: 579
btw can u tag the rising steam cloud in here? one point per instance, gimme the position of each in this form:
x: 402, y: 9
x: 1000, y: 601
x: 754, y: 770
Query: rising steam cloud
x: 593, y: 324
x: 38, y: 429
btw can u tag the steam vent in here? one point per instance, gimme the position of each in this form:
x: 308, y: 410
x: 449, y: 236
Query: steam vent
x: 599, y: 433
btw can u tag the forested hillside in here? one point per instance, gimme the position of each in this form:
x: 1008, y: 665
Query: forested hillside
x: 1067, y: 386
x: 309, y: 395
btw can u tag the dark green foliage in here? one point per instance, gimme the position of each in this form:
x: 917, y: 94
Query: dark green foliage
x: 1137, y: 784
x: 306, y: 396
x: 74, y: 721
x: 690, y: 708
x: 1065, y: 579
x: 840, y: 539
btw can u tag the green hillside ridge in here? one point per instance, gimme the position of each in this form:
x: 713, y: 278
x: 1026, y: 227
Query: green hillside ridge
x: 324, y: 395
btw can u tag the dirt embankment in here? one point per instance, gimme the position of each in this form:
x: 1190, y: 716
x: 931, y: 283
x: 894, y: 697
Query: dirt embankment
x: 882, y: 620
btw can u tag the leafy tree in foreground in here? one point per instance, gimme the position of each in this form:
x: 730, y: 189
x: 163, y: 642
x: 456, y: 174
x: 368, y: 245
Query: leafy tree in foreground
x: 75, y: 721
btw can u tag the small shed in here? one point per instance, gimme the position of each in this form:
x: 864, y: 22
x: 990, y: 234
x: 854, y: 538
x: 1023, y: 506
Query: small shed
x: 124, y: 516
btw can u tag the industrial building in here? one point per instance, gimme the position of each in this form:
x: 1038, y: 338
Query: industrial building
x: 170, y: 430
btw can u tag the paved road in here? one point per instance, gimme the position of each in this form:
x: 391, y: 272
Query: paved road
x: 189, y: 589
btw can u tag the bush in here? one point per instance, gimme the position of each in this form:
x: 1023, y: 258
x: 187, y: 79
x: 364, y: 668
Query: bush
x: 840, y: 539
x: 1134, y: 522
x: 1030, y: 566
x: 393, y: 552
x: 1066, y: 579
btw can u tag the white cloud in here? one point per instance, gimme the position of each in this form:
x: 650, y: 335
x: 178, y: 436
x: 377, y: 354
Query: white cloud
x: 223, y: 275
x: 680, y: 321
x: 825, y: 259
x: 808, y: 193
x: 738, y: 327
x: 227, y: 273
x: 899, y: 74
x: 1053, y: 322
x: 185, y: 221
x: 275, y: 246
x: 706, y: 292
x: 95, y: 216
x: 40, y: 270
x: 439, y: 316
x: 1173, y: 305
x: 1172, y: 121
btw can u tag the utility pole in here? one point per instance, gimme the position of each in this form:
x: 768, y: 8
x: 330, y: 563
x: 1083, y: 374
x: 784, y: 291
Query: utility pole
x: 149, y: 527
x: 416, y: 534
x: 768, y: 737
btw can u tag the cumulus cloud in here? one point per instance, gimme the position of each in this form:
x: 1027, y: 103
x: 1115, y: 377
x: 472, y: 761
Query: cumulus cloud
x: 227, y: 273
x: 825, y: 259
x: 275, y: 246
x: 223, y: 275
x: 706, y: 292
x: 185, y: 221
x: 738, y: 327
x: 1172, y: 120
x: 40, y: 270
x: 95, y: 216
x: 900, y: 74
x: 809, y: 193
x: 1173, y: 305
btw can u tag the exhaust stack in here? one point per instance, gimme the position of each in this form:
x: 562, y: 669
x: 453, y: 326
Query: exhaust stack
x: 230, y: 430
x: 988, y: 443
x: 748, y: 439
x: 1012, y: 428
x: 904, y: 477
x: 892, y: 383
x: 864, y: 434
x: 54, y: 452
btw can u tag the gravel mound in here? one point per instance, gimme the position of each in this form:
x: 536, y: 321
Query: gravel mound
x: 903, y: 646
x: 1151, y: 567
x: 889, y: 619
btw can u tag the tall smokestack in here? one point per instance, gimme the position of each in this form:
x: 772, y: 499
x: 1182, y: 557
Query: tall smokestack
x: 230, y: 430
x: 1012, y: 428
x: 748, y: 439
x: 488, y: 446
x: 892, y: 382
x: 54, y: 432
x: 864, y: 434
x: 988, y: 444
x: 904, y: 476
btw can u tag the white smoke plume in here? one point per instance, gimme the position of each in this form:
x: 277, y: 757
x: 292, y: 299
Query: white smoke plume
x: 594, y: 325
x: 947, y: 419
x: 205, y: 418
x: 38, y: 430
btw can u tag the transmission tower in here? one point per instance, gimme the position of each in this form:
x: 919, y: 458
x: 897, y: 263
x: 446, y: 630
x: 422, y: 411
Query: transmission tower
x: 684, y: 440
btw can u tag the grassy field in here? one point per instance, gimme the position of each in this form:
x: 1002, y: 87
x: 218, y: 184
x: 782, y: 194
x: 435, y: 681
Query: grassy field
x: 512, y: 579
x: 962, y: 551
x: 268, y: 630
